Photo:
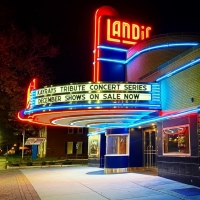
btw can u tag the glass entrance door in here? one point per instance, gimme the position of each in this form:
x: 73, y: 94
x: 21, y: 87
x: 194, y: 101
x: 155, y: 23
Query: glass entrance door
x: 150, y: 148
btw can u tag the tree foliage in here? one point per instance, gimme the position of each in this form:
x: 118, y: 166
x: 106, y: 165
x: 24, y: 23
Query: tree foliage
x: 8, y: 138
x: 23, y: 56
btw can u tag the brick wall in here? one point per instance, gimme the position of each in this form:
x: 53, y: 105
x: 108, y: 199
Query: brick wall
x: 177, y: 91
x: 176, y: 62
x: 150, y: 60
x: 57, y: 137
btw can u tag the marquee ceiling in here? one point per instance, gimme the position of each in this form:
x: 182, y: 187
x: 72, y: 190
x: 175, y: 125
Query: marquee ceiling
x: 103, y: 118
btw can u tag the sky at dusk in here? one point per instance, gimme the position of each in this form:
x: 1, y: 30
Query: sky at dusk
x: 70, y: 24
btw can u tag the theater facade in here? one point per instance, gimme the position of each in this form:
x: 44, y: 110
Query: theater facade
x: 142, y: 105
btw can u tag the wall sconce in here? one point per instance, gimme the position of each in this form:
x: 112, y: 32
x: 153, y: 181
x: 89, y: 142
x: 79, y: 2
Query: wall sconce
x: 191, y: 99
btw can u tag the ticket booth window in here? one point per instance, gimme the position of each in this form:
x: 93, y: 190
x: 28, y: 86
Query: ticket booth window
x: 176, y: 140
x: 117, y: 144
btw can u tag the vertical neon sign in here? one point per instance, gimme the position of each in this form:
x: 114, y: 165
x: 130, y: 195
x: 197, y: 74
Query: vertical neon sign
x: 105, y: 10
x: 117, y: 31
x: 31, y: 87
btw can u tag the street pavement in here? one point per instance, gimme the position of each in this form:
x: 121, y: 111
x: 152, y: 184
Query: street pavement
x: 89, y: 183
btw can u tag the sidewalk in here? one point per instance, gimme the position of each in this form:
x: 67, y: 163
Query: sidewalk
x: 15, y: 186
x: 90, y: 183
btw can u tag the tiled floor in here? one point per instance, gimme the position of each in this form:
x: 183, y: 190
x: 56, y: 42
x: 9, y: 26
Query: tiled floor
x: 89, y: 183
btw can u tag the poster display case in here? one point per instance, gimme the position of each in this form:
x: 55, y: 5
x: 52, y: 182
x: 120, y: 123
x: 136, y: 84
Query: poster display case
x: 94, y: 146
x: 176, y: 140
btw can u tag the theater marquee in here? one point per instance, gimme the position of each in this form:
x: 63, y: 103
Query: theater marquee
x: 93, y: 88
x: 98, y: 92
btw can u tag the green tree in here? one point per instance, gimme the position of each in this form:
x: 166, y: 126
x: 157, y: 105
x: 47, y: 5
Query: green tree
x: 23, y: 56
x: 8, y: 138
